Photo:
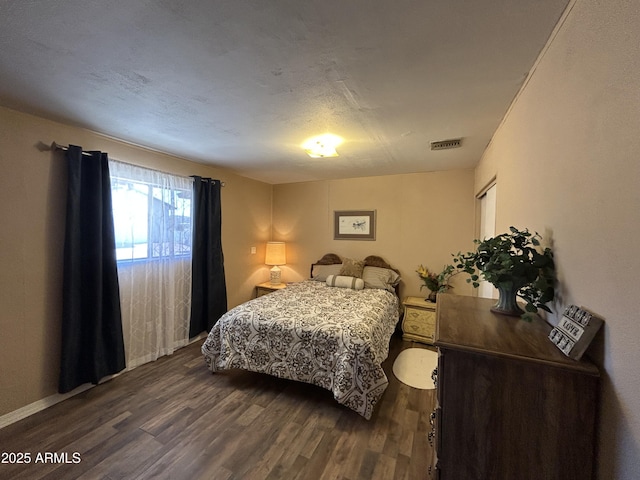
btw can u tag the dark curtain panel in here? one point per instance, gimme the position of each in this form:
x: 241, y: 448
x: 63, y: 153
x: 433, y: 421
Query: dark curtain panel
x: 92, y: 341
x: 209, y: 289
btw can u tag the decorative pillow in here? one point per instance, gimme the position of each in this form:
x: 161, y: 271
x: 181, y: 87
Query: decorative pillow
x: 352, y: 268
x: 381, y: 278
x: 321, y: 272
x: 345, y: 282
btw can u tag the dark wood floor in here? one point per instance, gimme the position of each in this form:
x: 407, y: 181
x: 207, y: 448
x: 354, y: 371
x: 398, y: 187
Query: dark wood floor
x: 173, y: 419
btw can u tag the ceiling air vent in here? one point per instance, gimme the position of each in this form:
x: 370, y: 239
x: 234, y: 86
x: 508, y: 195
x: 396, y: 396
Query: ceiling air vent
x: 446, y: 144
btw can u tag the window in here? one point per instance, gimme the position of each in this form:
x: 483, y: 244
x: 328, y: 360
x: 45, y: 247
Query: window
x: 152, y: 223
x: 151, y: 213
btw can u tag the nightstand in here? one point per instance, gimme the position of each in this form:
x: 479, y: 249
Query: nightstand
x: 419, y: 321
x: 267, y: 287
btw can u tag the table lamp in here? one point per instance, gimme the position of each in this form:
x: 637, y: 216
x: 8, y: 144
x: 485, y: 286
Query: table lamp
x: 275, y: 256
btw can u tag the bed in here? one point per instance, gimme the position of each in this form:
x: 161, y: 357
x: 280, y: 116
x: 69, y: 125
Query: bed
x: 332, y: 330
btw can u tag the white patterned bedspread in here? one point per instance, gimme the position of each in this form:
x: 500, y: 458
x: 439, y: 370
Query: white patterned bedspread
x: 336, y: 338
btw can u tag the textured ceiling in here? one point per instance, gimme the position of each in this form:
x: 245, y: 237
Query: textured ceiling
x: 241, y: 84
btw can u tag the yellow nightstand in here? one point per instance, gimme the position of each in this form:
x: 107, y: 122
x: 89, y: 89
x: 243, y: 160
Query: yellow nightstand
x: 266, y: 287
x: 419, y: 321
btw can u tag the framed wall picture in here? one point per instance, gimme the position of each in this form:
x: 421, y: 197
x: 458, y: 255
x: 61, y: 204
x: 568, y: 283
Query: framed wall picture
x: 354, y: 225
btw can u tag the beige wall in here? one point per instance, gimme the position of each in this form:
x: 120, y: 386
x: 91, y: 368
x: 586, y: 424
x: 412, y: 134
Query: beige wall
x: 422, y: 218
x: 567, y: 163
x: 32, y: 206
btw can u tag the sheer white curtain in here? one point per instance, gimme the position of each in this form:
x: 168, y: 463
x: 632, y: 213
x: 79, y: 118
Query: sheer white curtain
x: 152, y: 218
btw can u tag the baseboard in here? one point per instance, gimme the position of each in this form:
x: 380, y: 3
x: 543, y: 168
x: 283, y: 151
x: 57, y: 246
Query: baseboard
x: 35, y: 407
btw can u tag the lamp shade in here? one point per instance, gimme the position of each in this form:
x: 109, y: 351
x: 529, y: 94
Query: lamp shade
x: 275, y: 254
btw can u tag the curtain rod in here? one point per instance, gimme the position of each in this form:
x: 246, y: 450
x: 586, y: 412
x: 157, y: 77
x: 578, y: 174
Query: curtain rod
x: 57, y: 146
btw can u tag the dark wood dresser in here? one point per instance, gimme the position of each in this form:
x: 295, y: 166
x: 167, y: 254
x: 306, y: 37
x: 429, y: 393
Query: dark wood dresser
x: 510, y: 405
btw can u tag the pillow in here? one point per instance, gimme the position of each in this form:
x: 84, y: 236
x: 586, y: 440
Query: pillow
x: 321, y: 272
x: 382, y: 278
x: 352, y: 268
x: 345, y: 282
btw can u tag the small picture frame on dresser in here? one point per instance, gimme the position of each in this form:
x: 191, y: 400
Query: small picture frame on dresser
x: 575, y: 331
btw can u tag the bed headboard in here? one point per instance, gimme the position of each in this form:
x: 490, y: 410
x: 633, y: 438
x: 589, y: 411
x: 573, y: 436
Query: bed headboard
x: 370, y: 261
x: 375, y: 261
x: 328, y: 259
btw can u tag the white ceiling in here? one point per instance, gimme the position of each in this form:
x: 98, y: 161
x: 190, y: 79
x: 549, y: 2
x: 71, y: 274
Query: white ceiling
x: 241, y: 84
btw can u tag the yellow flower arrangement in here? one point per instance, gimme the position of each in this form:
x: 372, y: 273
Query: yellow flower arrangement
x: 436, y: 282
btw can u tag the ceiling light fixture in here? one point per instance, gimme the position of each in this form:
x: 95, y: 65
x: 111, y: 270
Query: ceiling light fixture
x: 322, y: 146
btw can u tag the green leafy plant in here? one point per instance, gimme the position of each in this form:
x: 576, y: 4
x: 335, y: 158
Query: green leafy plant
x: 515, y: 262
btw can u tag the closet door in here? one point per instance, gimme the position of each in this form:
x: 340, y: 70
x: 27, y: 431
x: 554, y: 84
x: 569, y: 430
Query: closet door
x: 487, y: 229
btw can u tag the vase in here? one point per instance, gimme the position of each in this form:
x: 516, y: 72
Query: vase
x: 507, y: 304
x: 432, y: 297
